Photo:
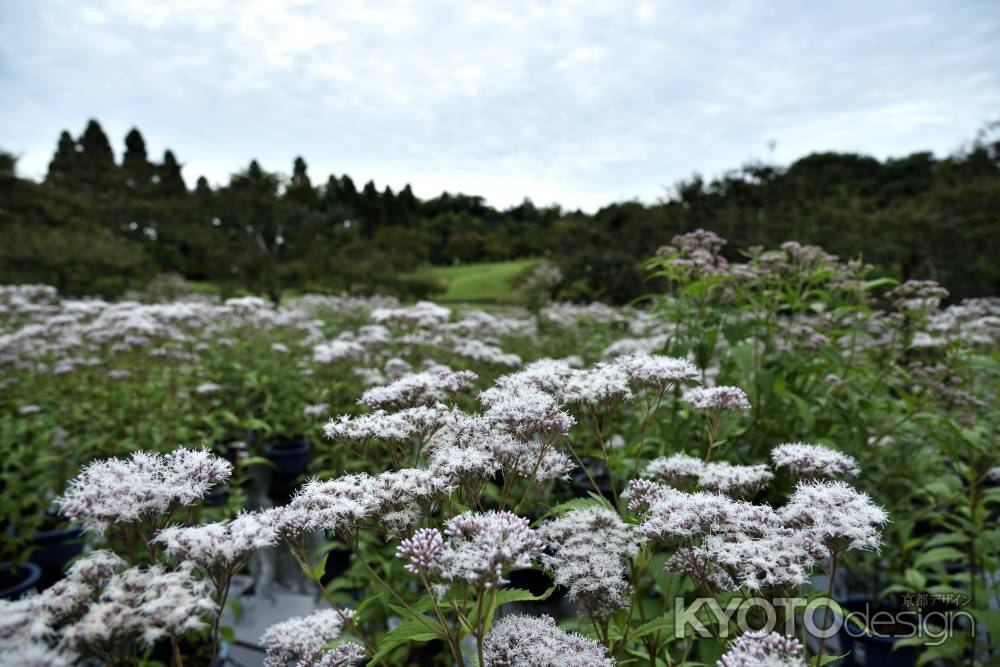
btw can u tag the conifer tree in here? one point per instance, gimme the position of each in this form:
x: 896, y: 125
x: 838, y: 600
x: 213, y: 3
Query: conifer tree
x: 171, y: 182
x: 65, y: 162
x: 135, y: 162
x: 97, y: 160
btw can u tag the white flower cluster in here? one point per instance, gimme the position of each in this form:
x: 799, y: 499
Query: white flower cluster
x: 216, y: 546
x: 656, y: 371
x: 481, y: 547
x: 426, y: 388
x: 717, y: 399
x: 589, y: 549
x: 763, y: 649
x: 836, y: 516
x: 683, y: 471
x: 525, y: 412
x: 392, y: 498
x: 117, y: 491
x: 536, y: 641
x: 813, y: 460
x: 477, y: 350
x: 749, y: 542
x: 301, y: 640
x: 158, y: 601
x: 598, y: 386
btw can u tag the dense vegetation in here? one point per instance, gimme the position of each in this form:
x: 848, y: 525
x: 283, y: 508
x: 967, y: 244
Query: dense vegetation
x: 97, y: 225
x: 434, y: 474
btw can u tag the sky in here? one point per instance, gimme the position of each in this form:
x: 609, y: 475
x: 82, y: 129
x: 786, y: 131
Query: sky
x: 577, y: 103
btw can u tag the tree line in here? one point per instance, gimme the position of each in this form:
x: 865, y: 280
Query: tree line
x: 96, y: 225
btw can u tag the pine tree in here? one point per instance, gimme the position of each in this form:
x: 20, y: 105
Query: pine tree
x: 372, y: 210
x: 135, y: 163
x: 171, y: 182
x: 300, y: 187
x: 97, y: 160
x: 202, y: 188
x: 64, y: 166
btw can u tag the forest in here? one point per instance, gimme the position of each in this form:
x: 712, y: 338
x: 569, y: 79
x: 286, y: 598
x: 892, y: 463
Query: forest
x: 99, y: 225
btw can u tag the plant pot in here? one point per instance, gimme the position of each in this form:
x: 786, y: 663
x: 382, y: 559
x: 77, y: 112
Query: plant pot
x: 288, y: 455
x: 876, y: 649
x: 163, y: 653
x: 16, y: 579
x: 52, y: 549
x: 338, y: 561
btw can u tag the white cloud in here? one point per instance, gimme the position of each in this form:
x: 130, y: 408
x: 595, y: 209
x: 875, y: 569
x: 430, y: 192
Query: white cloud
x: 582, y: 102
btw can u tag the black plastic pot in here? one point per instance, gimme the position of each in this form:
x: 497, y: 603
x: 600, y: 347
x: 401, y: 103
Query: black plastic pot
x: 16, y: 579
x: 876, y: 649
x: 53, y: 549
x: 582, y: 486
x: 163, y: 653
x: 288, y: 455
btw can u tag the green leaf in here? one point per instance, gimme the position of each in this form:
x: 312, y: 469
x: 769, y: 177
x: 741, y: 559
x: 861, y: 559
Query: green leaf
x: 938, y: 555
x: 507, y: 595
x: 665, y: 622
x: 410, y: 631
x: 320, y: 568
x: 915, y: 580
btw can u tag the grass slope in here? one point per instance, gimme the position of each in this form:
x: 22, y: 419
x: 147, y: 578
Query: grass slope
x: 488, y: 281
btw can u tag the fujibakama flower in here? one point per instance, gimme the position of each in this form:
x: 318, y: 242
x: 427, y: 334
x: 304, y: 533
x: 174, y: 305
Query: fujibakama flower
x: 474, y: 349
x: 426, y: 420
x: 347, y: 654
x: 337, y: 350
x: 421, y: 549
x: 315, y: 411
x: 734, y: 480
x: 656, y: 371
x: 762, y: 556
x: 396, y: 368
x: 599, y: 386
x: 763, y: 649
x: 749, y: 542
x: 378, y: 425
x: 526, y: 412
x: 117, y: 491
x: 677, y: 470
x: 688, y: 560
x: 482, y: 547
x: 717, y: 399
x: 422, y: 313
x: 26, y: 410
x: 281, y: 348
x: 173, y: 602
x: 34, y: 655
x: 643, y: 493
x: 302, y: 637
x: 545, y: 375
x: 207, y: 388
x: 141, y: 603
x: 589, y: 548
x: 425, y: 388
x: 683, y: 471
x: 813, y: 460
x: 918, y: 295
x: 393, y: 498
x: 219, y: 546
x: 835, y: 516
x: 536, y: 641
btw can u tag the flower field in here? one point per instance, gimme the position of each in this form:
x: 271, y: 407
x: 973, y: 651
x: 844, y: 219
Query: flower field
x: 568, y: 485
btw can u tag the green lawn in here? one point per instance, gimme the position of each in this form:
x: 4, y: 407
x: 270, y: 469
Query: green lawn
x: 488, y: 281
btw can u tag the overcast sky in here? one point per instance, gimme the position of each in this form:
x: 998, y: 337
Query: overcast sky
x: 581, y: 103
